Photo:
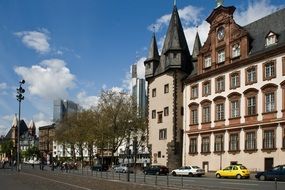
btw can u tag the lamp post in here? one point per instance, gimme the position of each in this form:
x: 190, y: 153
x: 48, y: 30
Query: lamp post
x: 20, y: 97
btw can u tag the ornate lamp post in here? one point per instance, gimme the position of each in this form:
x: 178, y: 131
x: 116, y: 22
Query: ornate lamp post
x: 20, y: 97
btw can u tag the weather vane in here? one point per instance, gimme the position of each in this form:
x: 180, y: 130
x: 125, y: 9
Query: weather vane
x: 219, y: 2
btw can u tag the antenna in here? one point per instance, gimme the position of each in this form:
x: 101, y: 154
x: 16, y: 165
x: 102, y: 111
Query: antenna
x: 174, y: 3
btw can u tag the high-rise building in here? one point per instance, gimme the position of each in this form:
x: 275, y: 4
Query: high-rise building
x: 62, y: 108
x: 139, y: 91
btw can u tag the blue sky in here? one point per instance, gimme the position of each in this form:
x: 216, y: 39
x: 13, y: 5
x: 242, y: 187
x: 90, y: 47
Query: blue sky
x: 71, y: 49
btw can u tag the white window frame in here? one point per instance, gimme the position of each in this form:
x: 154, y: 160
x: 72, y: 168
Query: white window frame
x: 221, y: 56
x: 270, y: 102
x: 236, y: 50
x: 271, y: 39
x: 235, y: 109
x: 207, y: 62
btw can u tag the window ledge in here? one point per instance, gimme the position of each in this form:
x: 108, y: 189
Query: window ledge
x: 268, y: 149
x: 205, y: 153
x: 250, y: 151
x: 193, y: 153
x: 219, y: 120
x: 255, y: 115
x: 269, y: 78
x: 235, y: 57
x: 208, y: 122
x: 219, y: 152
x: 265, y: 113
x: 232, y: 118
x: 233, y: 151
x: 250, y: 83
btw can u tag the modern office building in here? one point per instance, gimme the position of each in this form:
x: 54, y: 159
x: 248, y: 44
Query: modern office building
x: 225, y: 104
x: 62, y: 108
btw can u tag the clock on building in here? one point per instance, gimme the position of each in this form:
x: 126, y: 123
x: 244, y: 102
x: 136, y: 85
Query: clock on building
x: 221, y: 33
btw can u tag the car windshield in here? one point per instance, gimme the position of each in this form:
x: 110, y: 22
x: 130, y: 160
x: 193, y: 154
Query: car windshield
x: 195, y: 167
x: 243, y: 168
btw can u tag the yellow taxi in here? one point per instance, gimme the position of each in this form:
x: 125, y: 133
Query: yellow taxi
x: 234, y: 171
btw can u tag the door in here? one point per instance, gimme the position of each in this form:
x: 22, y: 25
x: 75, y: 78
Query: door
x: 206, y: 166
x: 268, y: 163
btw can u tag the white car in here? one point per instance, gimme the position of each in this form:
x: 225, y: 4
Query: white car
x: 123, y: 169
x: 189, y: 171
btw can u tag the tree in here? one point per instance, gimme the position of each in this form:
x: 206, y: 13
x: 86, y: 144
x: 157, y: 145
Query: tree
x: 7, y: 148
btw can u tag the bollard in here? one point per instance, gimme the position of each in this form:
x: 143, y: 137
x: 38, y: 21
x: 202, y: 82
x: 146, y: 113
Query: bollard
x: 155, y: 179
x: 275, y: 183
x: 182, y: 181
x: 167, y: 180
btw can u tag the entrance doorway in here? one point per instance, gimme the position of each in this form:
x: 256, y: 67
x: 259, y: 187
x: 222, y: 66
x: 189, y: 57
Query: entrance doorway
x: 206, y: 166
x: 268, y: 163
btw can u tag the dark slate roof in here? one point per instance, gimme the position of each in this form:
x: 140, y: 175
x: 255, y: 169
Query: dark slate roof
x: 259, y: 29
x: 197, y: 46
x: 153, y: 50
x: 23, y: 129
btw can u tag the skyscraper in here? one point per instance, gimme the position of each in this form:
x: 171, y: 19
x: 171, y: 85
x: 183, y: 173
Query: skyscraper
x: 62, y: 108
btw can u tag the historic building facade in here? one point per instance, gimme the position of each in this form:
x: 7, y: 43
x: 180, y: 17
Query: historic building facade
x: 225, y: 104
x: 235, y: 99
x: 164, y: 74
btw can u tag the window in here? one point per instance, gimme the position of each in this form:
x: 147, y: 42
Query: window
x: 235, y: 80
x: 251, y: 105
x: 269, y: 70
x: 219, y: 143
x: 207, y: 62
x: 220, y: 112
x: 235, y: 109
x: 194, y: 117
x: 221, y: 56
x: 166, y: 88
x: 205, y: 145
x: 251, y: 76
x: 207, y: 88
x: 283, y: 65
x: 269, y: 102
x: 220, y: 84
x: 166, y: 111
x: 250, y: 141
x: 234, y: 142
x: 162, y: 134
x: 194, y: 91
x: 283, y: 139
x: 159, y: 154
x: 159, y: 117
x: 193, y: 146
x: 153, y: 114
x: 268, y: 139
x: 236, y: 51
x: 271, y: 39
x: 154, y: 92
x: 206, y: 114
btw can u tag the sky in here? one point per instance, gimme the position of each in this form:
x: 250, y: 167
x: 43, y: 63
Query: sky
x: 72, y: 49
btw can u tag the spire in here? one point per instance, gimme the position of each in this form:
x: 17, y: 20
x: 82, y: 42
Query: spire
x: 197, y: 46
x: 15, y: 121
x: 153, y: 50
x: 32, y: 124
x: 219, y: 3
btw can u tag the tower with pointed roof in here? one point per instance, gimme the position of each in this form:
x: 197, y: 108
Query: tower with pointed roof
x: 164, y: 74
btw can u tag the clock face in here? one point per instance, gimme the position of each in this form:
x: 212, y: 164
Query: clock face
x: 221, y: 33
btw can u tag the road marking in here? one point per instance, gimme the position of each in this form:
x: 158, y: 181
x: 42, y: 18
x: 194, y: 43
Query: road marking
x: 68, y: 184
x: 232, y: 183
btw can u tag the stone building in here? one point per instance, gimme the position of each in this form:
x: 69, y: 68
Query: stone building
x: 225, y: 104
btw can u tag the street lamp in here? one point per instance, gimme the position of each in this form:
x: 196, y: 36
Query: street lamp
x: 20, y: 97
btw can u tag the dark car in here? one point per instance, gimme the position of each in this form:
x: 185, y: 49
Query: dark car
x: 100, y: 167
x: 278, y: 173
x: 156, y: 170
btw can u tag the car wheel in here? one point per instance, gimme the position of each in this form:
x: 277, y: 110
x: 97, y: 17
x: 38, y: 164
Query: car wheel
x: 238, y: 176
x: 190, y: 175
x: 262, y: 178
x: 218, y: 176
x: 173, y: 173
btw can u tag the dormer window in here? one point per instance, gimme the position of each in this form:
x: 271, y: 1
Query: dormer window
x: 207, y: 62
x: 236, y: 50
x: 271, y: 39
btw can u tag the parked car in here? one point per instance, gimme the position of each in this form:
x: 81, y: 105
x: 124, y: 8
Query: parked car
x: 156, y: 170
x: 234, y: 171
x: 100, y: 167
x: 123, y: 169
x: 277, y: 172
x: 188, y: 171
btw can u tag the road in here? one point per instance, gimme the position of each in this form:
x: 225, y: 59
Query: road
x: 29, y: 179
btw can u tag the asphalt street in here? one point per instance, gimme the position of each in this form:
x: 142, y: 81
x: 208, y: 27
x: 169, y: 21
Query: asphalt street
x: 33, y: 178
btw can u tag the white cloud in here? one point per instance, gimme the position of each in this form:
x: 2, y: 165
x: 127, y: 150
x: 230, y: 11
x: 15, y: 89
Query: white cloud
x: 86, y: 101
x: 37, y: 40
x: 3, y: 88
x: 50, y: 79
x: 255, y: 11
